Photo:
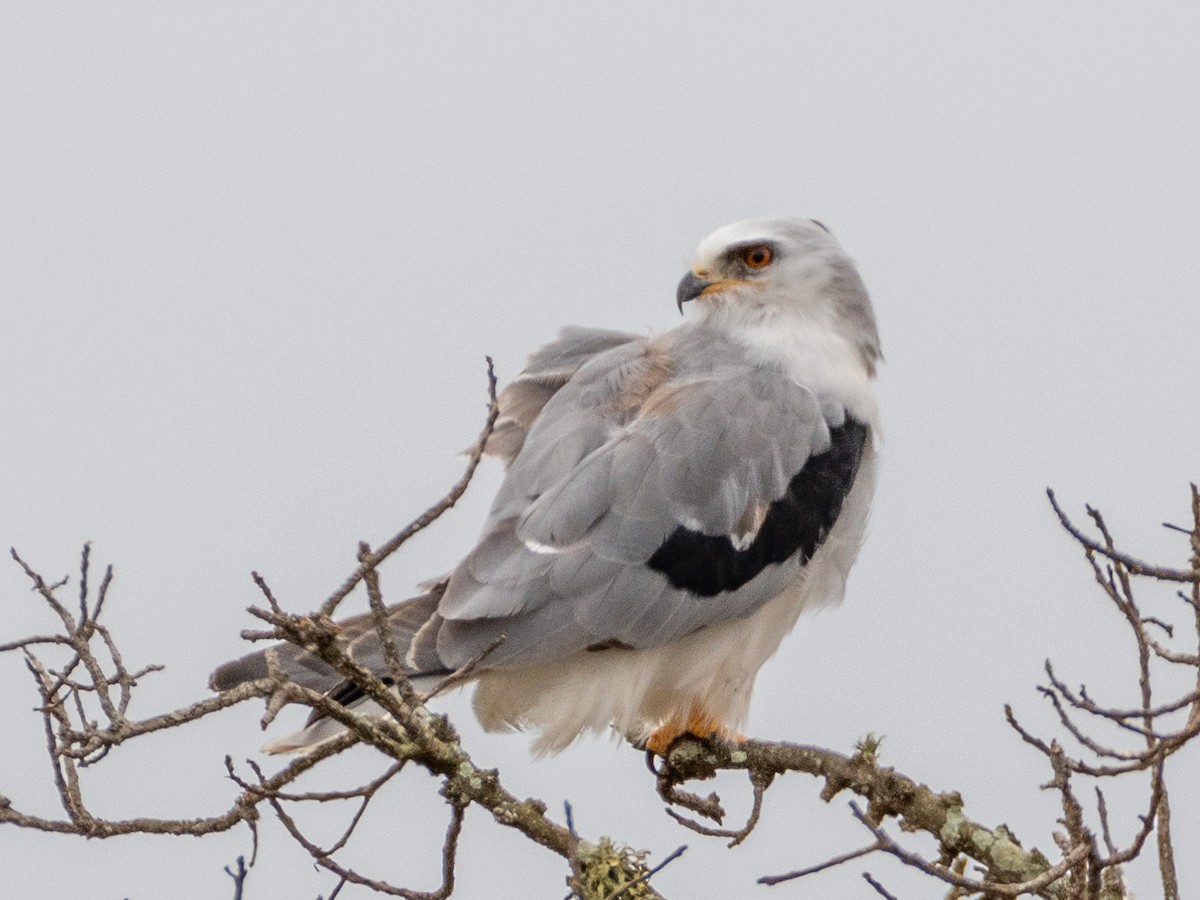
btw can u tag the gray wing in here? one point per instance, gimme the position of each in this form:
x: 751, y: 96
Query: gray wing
x: 637, y: 526
x: 650, y: 496
x: 545, y: 372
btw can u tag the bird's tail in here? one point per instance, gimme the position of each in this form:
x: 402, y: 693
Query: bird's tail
x: 360, y: 639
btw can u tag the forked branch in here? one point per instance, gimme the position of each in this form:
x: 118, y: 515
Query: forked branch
x: 84, y: 689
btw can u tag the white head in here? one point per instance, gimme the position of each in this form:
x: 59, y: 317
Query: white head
x: 763, y: 269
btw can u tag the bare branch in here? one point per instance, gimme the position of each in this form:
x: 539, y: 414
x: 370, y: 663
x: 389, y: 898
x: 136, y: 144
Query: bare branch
x: 643, y: 879
x: 85, y: 689
x: 879, y: 888
x: 821, y: 867
x: 434, y: 512
x: 239, y: 877
x: 1134, y: 566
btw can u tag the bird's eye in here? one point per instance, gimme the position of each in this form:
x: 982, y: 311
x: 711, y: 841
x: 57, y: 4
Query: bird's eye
x: 756, y: 256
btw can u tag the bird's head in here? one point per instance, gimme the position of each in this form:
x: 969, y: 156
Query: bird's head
x: 761, y: 268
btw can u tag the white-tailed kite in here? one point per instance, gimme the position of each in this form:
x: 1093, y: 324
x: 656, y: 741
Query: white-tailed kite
x: 672, y: 503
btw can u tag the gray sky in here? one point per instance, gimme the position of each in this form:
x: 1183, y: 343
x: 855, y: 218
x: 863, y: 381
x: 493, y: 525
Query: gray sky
x: 253, y: 257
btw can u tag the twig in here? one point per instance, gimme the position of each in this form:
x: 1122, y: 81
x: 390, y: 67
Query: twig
x: 1134, y: 566
x: 430, y: 515
x: 759, y: 782
x: 239, y: 877
x: 463, y: 674
x: 650, y: 873
x: 821, y: 867
x: 879, y: 888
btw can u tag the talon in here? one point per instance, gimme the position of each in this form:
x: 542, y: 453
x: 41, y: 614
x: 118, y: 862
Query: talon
x: 650, y: 758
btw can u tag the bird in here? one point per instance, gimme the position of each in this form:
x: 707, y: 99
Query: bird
x: 672, y: 502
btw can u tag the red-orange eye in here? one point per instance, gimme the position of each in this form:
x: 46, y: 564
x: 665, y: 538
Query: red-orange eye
x: 757, y: 256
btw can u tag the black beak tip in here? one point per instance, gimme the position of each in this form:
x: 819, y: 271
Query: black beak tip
x: 690, y: 287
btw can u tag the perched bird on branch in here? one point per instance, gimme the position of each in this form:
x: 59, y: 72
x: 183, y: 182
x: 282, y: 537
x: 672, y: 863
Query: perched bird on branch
x: 672, y: 503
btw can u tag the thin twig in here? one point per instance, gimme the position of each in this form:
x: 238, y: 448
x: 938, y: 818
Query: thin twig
x: 1135, y: 566
x: 463, y: 674
x: 879, y: 888
x: 239, y: 877
x: 821, y: 867
x: 650, y: 873
x: 434, y: 512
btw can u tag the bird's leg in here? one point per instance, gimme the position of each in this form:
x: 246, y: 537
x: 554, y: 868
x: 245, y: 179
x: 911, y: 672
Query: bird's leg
x: 699, y: 724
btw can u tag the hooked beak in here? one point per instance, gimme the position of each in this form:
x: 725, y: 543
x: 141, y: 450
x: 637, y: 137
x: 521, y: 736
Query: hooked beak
x: 689, y: 288
x: 693, y: 286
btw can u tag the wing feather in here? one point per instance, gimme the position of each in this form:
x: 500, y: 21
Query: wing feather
x: 546, y: 370
x: 654, y: 491
x: 612, y: 502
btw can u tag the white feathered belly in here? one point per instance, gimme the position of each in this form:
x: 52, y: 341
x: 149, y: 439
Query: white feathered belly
x: 710, y: 672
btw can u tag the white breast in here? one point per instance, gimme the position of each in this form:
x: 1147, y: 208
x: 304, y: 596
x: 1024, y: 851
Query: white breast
x: 712, y: 670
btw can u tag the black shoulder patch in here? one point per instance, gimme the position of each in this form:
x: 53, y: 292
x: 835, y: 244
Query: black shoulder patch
x: 798, y: 522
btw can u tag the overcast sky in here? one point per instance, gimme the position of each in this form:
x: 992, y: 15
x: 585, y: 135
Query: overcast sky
x: 253, y: 256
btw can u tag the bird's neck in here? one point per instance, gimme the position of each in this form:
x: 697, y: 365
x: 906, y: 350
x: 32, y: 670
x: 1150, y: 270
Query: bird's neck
x: 808, y: 345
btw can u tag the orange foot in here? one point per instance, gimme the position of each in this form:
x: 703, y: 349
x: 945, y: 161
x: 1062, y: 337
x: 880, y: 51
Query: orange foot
x: 699, y: 724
